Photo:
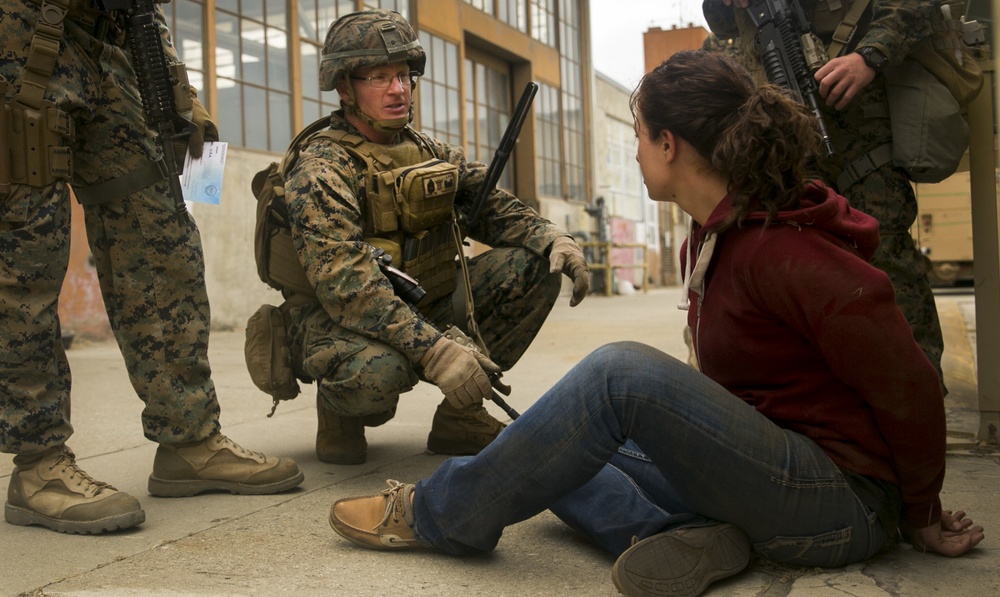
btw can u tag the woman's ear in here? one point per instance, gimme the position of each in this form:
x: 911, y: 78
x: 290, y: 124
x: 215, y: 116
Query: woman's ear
x: 667, y: 143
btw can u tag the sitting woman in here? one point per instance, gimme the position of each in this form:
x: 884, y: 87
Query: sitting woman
x: 815, y: 431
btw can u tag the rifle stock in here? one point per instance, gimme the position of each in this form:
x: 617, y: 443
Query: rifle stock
x: 503, y: 152
x: 781, y: 28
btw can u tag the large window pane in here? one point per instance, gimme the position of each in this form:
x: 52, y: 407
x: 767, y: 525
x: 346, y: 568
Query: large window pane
x: 280, y: 116
x: 230, y: 116
x: 252, y: 63
x: 310, y: 69
x: 255, y: 101
x: 440, y: 114
x: 253, y: 54
x: 277, y: 59
x: 490, y: 102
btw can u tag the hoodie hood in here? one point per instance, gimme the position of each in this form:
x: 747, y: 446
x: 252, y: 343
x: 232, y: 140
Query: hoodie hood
x: 820, y: 207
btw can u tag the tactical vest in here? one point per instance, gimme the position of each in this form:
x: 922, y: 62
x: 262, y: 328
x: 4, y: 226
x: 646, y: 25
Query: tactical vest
x: 407, y: 196
x: 409, y: 200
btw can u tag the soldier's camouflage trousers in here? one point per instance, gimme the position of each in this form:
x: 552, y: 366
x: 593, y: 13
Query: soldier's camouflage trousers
x: 513, y: 293
x: 149, y: 261
x: 886, y: 195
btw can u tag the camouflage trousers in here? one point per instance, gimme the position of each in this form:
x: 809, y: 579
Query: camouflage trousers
x: 513, y: 293
x: 886, y: 194
x: 149, y: 261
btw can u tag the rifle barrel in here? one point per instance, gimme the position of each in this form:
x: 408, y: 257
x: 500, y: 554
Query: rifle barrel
x: 503, y: 151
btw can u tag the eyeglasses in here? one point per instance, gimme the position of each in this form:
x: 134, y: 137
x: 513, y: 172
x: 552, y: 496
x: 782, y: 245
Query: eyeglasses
x: 382, y: 81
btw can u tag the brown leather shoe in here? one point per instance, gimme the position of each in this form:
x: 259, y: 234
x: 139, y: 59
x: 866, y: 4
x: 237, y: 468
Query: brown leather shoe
x: 218, y: 463
x: 50, y: 490
x: 462, y: 432
x: 383, y: 521
x: 340, y: 440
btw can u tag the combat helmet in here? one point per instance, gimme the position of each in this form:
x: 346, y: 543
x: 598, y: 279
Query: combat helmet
x: 368, y: 38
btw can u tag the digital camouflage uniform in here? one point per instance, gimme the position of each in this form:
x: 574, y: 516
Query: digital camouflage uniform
x: 360, y: 340
x: 894, y: 27
x: 149, y: 261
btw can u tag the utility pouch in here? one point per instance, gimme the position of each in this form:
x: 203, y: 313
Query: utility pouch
x: 268, y: 355
x: 946, y: 55
x: 422, y: 195
x: 929, y: 133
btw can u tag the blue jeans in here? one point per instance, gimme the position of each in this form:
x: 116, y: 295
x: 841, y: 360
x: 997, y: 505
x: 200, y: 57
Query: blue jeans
x: 712, y: 458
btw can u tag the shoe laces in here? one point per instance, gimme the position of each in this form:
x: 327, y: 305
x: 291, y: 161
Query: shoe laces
x: 66, y: 463
x: 397, y: 505
x: 235, y: 448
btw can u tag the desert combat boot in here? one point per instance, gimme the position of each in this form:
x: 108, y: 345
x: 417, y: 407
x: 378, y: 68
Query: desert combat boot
x: 219, y: 464
x: 339, y: 439
x: 50, y: 490
x: 462, y: 431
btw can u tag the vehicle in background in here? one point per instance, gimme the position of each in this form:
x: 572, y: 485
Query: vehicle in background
x: 943, y: 229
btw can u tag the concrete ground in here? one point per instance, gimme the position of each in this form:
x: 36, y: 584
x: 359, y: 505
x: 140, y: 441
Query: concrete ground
x: 219, y: 544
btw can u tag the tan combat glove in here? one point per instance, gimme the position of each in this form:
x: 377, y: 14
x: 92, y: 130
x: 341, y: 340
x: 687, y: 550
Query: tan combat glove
x: 461, y: 372
x: 206, y: 130
x: 565, y: 256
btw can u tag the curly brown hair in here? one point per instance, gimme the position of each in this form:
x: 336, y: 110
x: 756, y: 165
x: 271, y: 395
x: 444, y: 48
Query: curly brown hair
x: 757, y: 137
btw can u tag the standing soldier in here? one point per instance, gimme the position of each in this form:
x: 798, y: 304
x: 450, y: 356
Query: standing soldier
x: 856, y: 114
x: 364, y: 345
x: 73, y: 117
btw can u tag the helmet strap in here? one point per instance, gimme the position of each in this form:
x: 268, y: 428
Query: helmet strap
x: 390, y: 126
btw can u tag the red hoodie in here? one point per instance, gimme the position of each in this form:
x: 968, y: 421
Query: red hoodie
x: 794, y: 320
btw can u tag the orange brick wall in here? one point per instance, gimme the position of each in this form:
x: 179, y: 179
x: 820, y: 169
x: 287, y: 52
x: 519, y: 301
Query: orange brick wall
x: 81, y: 308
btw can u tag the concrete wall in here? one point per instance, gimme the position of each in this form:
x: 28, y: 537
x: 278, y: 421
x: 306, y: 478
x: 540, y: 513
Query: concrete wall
x: 81, y: 306
x: 234, y: 290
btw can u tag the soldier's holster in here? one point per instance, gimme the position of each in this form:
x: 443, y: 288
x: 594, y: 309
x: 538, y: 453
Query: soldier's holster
x: 35, y: 134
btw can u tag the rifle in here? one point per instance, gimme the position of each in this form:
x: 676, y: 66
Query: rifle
x: 156, y: 80
x: 790, y: 53
x: 502, y: 152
